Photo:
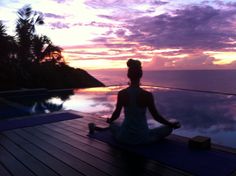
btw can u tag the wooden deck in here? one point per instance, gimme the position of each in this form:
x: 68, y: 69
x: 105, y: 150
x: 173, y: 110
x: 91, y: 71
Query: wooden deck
x: 63, y: 148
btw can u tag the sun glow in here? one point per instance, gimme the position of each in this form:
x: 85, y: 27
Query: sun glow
x: 98, y: 64
x: 103, y: 63
x: 222, y: 58
x: 175, y: 56
x: 94, y: 90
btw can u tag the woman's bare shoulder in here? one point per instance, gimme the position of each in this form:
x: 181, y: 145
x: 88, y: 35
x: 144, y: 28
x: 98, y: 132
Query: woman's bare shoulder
x: 145, y: 97
x: 146, y: 93
x: 123, y: 92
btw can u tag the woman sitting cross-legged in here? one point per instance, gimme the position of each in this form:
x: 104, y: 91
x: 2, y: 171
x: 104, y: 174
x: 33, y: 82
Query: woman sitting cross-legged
x: 135, y: 100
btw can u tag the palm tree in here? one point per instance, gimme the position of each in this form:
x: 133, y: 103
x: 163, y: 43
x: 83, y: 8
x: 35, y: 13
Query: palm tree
x: 39, y: 44
x: 8, y: 46
x: 25, y: 30
x: 45, y: 51
x: 8, y: 54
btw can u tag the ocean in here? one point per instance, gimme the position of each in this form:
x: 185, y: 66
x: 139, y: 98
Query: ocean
x: 204, y: 101
x: 204, y: 80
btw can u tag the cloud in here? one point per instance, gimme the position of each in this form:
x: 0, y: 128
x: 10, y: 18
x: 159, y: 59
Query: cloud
x: 120, y: 32
x: 51, y: 15
x: 107, y: 17
x: 122, y: 3
x: 125, y: 9
x: 100, y: 24
x: 195, y: 61
x: 60, y: 1
x: 232, y: 65
x: 185, y: 61
x: 59, y: 25
x: 82, y: 52
x: 195, y: 27
x: 155, y: 2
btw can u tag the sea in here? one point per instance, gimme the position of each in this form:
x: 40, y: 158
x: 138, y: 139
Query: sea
x: 204, y: 101
x: 205, y: 80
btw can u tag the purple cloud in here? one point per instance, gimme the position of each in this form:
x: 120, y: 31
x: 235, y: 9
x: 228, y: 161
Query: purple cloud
x: 193, y: 61
x: 80, y: 52
x: 195, y: 27
x: 59, y: 25
x: 105, y: 41
x: 120, y: 33
x: 101, y: 40
x: 122, y: 3
x: 158, y: 3
x: 51, y: 15
x: 100, y: 24
x: 108, y: 17
x: 60, y: 1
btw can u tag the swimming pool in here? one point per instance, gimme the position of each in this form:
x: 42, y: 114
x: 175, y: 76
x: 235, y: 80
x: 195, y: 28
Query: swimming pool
x: 200, y: 113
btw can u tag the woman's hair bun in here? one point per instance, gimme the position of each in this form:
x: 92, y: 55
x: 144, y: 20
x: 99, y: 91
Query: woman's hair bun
x: 135, y: 69
x: 134, y: 63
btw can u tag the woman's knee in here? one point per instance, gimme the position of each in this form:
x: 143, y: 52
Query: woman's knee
x: 160, y: 132
x: 114, y: 127
x: 167, y: 129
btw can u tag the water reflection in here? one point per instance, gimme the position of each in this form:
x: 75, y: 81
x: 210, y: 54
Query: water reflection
x: 99, y: 101
x: 200, y: 113
x: 45, y: 107
x: 43, y: 103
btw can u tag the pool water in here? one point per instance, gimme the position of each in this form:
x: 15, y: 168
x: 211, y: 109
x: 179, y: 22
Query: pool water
x: 200, y: 113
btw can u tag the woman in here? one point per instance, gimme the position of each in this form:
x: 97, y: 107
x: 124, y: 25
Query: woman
x: 135, y: 100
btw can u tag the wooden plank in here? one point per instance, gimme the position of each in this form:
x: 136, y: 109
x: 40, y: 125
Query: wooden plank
x: 44, y: 132
x: 33, y: 164
x: 79, y: 126
x: 46, y: 158
x: 69, y: 159
x: 115, y: 160
x: 74, y: 132
x: 82, y: 155
x: 4, y: 171
x: 75, y: 142
x: 76, y: 135
x: 80, y: 135
x: 12, y: 164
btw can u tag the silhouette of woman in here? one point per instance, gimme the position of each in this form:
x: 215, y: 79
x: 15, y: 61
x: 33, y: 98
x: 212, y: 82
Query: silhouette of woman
x: 135, y: 100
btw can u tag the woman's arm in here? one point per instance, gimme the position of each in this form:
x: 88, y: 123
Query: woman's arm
x: 117, y: 111
x: 157, y: 116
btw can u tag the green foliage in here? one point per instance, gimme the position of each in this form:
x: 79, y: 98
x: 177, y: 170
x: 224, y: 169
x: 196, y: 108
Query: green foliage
x: 26, y: 61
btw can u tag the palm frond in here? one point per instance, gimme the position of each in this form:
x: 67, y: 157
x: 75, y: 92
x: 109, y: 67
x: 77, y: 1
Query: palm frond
x: 2, y: 29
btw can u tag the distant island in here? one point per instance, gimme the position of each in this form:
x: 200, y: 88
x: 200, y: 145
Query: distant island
x: 28, y: 60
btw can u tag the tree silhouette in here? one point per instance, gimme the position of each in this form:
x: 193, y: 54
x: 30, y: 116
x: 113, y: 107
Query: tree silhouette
x: 8, y: 59
x: 25, y: 30
x: 53, y: 54
x: 8, y: 47
x: 44, y: 50
x: 31, y: 61
x: 38, y: 47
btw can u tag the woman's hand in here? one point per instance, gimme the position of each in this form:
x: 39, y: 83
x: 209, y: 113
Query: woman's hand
x: 175, y: 124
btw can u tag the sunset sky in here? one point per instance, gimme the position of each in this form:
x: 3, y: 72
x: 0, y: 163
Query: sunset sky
x: 163, y: 34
